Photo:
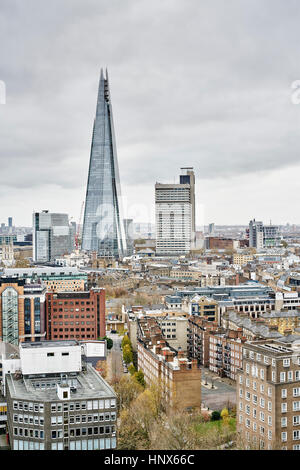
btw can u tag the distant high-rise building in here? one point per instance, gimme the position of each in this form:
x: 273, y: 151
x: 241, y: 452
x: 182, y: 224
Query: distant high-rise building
x: 52, y: 236
x: 256, y: 234
x: 10, y: 221
x: 263, y: 236
x: 128, y: 227
x: 189, y: 178
x: 211, y: 229
x: 175, y: 216
x: 103, y: 230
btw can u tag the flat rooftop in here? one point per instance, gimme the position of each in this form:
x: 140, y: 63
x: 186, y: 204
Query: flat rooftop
x: 87, y: 384
x: 50, y: 344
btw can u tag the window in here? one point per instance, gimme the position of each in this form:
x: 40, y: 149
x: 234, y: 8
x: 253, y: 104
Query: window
x: 282, y: 376
x: 296, y: 420
x: 283, y: 407
x: 269, y: 406
x: 269, y: 420
x: 296, y: 405
x: 283, y: 422
x: 296, y: 435
x: 50, y: 354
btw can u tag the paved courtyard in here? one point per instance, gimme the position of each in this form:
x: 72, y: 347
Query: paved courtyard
x: 222, y: 394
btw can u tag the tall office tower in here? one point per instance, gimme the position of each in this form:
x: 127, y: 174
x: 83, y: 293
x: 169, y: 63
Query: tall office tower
x: 103, y: 229
x: 256, y: 234
x: 52, y: 236
x: 211, y: 229
x: 10, y: 222
x: 189, y: 178
x: 128, y: 227
x: 175, y: 214
x: 263, y: 236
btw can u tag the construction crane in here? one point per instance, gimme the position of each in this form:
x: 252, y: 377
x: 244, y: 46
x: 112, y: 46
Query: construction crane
x: 78, y: 227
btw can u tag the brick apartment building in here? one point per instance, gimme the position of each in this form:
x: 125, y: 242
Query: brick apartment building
x: 75, y: 315
x: 268, y: 396
x: 221, y: 243
x: 226, y: 353
x: 178, y: 377
x: 218, y: 349
x: 199, y: 330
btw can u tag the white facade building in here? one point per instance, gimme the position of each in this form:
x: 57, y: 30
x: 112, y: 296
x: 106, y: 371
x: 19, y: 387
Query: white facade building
x: 175, y: 217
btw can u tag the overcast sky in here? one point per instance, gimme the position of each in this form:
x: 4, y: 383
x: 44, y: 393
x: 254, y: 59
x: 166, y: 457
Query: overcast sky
x: 193, y: 83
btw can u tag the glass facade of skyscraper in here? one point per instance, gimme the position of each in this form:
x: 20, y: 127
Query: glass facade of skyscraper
x: 103, y: 229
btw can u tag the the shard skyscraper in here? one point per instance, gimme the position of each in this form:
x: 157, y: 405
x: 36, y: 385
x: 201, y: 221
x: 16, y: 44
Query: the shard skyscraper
x: 103, y: 229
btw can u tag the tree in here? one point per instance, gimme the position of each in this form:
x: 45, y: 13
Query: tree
x: 131, y: 369
x: 127, y: 389
x: 127, y: 354
x: 215, y: 416
x: 109, y: 342
x: 125, y: 340
x: 139, y: 377
x: 225, y: 415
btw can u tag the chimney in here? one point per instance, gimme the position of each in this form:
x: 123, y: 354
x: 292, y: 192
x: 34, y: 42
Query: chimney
x: 180, y: 354
x: 168, y: 355
x: 287, y: 332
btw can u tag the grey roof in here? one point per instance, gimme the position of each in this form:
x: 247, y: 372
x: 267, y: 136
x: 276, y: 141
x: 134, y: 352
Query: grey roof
x: 248, y: 324
x: 89, y: 385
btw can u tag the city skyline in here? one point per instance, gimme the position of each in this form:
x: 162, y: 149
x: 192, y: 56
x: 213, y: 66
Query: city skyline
x: 237, y: 124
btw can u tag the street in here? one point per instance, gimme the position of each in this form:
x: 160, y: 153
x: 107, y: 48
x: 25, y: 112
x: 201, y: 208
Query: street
x: 114, y: 359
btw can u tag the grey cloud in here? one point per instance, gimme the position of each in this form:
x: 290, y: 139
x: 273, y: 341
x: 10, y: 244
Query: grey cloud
x: 192, y: 82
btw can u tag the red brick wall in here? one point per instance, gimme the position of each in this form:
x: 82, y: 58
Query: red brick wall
x: 75, y: 317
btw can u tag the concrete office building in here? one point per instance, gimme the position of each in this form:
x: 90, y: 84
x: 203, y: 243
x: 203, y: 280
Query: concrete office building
x: 57, y: 402
x: 53, y: 236
x: 263, y: 236
x: 175, y: 216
